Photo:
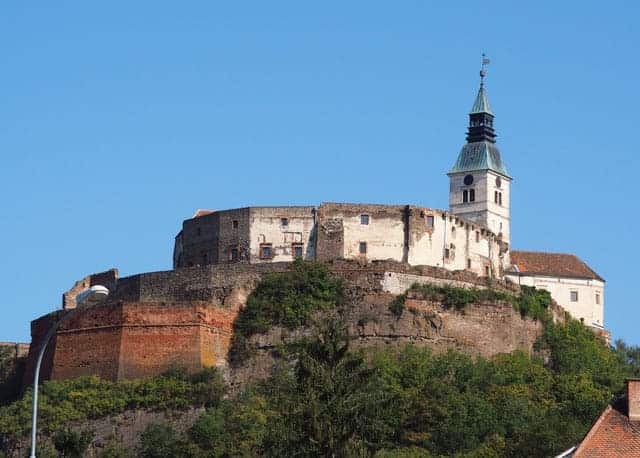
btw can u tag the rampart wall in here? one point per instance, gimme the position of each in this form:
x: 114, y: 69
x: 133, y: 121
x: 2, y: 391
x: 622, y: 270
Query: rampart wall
x: 154, y: 320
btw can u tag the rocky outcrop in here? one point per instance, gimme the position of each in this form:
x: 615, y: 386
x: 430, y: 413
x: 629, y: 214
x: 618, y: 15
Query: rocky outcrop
x: 155, y: 320
x: 484, y: 329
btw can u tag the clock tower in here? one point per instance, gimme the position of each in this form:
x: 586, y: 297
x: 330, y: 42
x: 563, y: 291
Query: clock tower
x: 479, y: 182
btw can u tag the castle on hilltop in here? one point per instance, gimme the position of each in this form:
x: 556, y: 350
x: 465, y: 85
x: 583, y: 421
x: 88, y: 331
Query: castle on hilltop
x: 152, y: 321
x: 473, y: 235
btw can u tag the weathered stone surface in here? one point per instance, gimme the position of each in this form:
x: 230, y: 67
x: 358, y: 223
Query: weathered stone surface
x: 155, y: 320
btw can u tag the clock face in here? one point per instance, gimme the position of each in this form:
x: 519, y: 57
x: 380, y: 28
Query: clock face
x: 498, y: 182
x: 468, y: 180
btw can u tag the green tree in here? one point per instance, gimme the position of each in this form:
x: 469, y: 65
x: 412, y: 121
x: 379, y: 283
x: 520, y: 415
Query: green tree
x: 72, y: 444
x: 160, y: 440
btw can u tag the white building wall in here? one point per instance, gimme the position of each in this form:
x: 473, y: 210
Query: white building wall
x: 384, y: 236
x: 484, y: 210
x: 428, y: 247
x: 585, y: 308
x: 266, y: 228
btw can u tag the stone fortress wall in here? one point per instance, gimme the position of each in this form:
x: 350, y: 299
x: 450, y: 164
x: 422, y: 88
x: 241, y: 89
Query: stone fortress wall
x: 185, y: 317
x: 403, y: 233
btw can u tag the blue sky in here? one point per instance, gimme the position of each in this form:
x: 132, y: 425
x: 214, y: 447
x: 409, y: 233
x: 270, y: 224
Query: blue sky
x: 118, y: 120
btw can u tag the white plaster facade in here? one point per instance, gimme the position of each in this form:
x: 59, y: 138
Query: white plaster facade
x: 583, y: 298
x: 282, y: 230
x: 491, y: 203
x: 415, y: 235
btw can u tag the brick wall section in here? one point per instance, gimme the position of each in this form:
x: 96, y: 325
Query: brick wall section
x: 156, y: 336
x: 126, y: 340
x: 330, y: 238
x: 185, y: 316
x: 39, y: 328
x: 89, y: 343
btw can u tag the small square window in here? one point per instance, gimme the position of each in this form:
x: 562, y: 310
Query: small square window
x: 363, y: 248
x: 364, y: 219
x: 574, y: 296
x: 284, y: 222
x: 234, y: 254
x: 430, y: 221
x: 297, y: 250
x: 234, y: 224
x: 265, y: 251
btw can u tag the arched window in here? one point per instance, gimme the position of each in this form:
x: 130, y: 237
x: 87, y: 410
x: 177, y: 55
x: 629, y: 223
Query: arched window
x: 472, y: 195
x: 465, y: 196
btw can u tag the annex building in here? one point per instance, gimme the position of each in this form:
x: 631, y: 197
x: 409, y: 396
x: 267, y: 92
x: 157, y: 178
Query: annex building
x: 473, y: 234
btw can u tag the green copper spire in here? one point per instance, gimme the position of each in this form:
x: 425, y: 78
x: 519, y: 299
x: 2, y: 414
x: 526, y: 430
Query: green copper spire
x: 481, y: 104
x: 480, y: 152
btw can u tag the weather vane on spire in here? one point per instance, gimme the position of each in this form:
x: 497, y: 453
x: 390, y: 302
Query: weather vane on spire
x: 483, y: 72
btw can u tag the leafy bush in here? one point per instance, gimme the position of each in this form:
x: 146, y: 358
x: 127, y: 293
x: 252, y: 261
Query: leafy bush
x: 72, y: 444
x: 11, y: 373
x: 64, y: 401
x: 160, y: 440
x: 114, y: 450
x: 286, y: 299
x: 530, y: 302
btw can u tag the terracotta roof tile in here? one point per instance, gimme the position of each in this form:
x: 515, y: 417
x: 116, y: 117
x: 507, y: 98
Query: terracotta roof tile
x: 553, y: 264
x: 612, y: 435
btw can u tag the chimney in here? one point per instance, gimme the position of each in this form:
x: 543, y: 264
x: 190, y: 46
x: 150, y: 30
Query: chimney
x: 633, y: 395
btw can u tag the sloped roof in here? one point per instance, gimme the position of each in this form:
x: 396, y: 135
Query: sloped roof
x: 612, y: 435
x: 479, y: 156
x: 552, y: 264
x: 481, y: 104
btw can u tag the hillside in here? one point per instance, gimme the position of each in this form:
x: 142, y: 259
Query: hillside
x: 330, y: 362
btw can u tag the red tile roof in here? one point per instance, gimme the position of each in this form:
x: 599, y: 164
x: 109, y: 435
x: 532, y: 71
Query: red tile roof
x: 613, y: 435
x: 552, y: 264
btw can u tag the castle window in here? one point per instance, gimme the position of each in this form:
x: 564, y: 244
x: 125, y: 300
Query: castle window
x: 430, y: 221
x: 597, y: 298
x: 574, y: 296
x: 487, y: 271
x: 499, y: 198
x: 265, y: 251
x: 453, y: 232
x: 465, y: 196
x: 477, y: 236
x: 297, y: 250
x: 447, y: 253
x: 468, y: 263
x: 472, y: 195
x: 284, y: 222
x: 234, y: 224
x: 363, y: 248
x: 234, y: 255
x: 495, y: 196
x: 364, y: 219
x: 199, y: 231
